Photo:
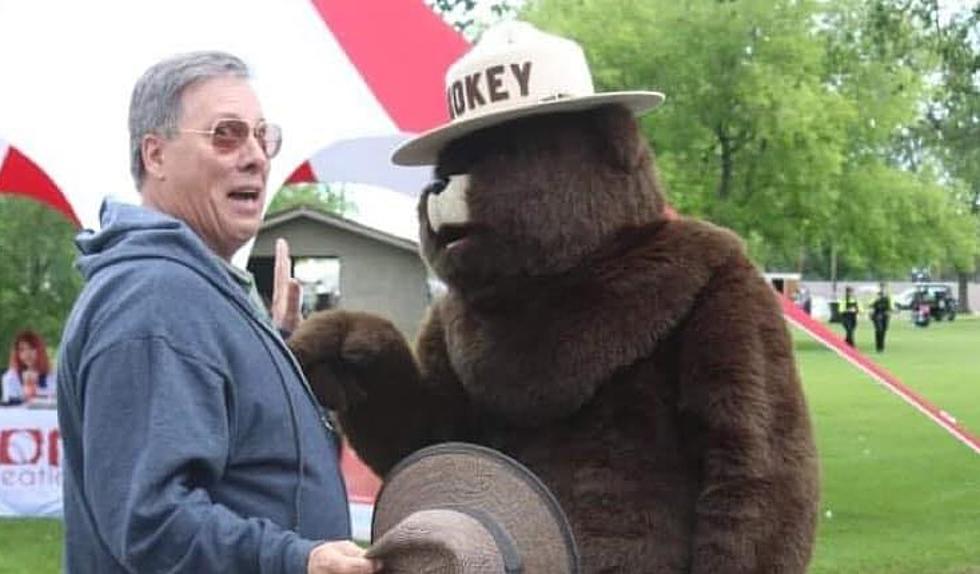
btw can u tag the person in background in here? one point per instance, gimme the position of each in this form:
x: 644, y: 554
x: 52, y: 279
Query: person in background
x: 29, y: 373
x: 192, y: 441
x: 881, y: 309
x: 921, y: 306
x: 804, y: 300
x: 849, y: 311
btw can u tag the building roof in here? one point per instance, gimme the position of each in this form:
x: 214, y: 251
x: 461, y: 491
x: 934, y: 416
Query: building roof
x: 339, y: 222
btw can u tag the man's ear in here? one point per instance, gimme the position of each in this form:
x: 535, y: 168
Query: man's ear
x: 151, y: 153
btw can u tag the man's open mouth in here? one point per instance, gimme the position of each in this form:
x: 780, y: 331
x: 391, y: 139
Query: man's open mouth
x: 245, y: 194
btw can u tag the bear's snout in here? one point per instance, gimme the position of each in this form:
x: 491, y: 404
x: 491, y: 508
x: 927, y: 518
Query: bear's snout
x: 448, y: 206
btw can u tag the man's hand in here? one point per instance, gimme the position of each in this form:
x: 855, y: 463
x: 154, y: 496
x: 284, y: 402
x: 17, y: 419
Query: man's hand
x: 343, y: 557
x: 286, y: 291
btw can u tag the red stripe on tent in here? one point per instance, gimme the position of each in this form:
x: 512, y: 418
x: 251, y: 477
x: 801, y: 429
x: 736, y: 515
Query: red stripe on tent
x: 821, y: 333
x: 20, y: 175
x: 402, y: 49
x: 302, y: 174
x: 362, y: 484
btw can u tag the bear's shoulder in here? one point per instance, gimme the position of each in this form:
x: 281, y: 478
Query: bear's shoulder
x: 697, y: 241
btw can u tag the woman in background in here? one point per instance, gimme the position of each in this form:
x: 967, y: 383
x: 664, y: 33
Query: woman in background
x: 29, y: 374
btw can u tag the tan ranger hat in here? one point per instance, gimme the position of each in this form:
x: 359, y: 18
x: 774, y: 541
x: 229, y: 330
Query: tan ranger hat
x: 515, y: 71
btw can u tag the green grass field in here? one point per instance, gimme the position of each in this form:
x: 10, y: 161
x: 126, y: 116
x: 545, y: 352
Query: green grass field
x: 900, y: 495
x: 29, y: 546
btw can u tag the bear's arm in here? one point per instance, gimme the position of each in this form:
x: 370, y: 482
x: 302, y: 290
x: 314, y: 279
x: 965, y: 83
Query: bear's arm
x: 360, y: 367
x: 426, y: 406
x: 363, y: 370
x: 740, y: 391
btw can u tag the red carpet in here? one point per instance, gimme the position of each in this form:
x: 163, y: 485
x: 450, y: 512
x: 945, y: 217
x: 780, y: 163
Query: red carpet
x: 821, y: 333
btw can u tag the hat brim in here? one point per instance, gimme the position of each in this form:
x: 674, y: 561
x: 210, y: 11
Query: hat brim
x: 424, y: 149
x: 472, y: 477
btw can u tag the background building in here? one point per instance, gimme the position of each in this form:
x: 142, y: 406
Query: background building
x: 346, y: 265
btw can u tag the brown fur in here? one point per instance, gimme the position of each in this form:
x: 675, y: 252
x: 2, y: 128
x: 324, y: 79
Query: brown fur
x: 639, y: 366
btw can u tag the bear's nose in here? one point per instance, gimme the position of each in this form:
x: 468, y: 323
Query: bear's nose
x: 436, y: 187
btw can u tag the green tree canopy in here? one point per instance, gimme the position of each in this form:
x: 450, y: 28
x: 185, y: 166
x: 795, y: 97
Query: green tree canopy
x: 467, y: 19
x: 316, y: 195
x: 38, y: 280
x: 951, y: 126
x: 781, y: 121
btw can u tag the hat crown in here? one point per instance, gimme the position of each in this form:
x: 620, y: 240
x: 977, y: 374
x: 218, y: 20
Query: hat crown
x: 515, y: 65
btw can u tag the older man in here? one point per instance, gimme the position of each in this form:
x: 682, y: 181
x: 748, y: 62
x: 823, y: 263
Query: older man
x: 192, y: 440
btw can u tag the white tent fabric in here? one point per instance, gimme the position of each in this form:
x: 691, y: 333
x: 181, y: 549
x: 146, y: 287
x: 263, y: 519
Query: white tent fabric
x: 366, y: 161
x: 69, y: 68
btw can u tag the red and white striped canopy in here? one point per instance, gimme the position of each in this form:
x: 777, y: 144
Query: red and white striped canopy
x: 346, y: 79
x: 20, y: 175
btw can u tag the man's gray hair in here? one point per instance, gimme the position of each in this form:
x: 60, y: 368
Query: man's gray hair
x: 155, y: 104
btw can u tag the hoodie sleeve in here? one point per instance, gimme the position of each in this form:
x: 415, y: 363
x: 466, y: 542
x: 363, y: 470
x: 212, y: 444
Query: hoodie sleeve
x: 156, y: 434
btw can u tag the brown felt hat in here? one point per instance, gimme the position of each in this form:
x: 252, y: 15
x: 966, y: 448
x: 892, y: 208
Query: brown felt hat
x: 463, y: 508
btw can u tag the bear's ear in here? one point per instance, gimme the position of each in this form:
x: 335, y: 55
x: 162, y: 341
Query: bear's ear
x: 618, y: 138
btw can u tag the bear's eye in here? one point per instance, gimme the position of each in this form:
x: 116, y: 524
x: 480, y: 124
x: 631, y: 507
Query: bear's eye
x: 436, y: 187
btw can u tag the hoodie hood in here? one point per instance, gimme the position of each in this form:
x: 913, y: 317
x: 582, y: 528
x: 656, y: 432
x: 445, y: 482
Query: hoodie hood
x: 135, y: 232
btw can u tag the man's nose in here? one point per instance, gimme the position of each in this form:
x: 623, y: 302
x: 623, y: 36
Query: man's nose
x: 255, y: 158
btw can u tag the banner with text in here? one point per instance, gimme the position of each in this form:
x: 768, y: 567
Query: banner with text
x: 30, y: 462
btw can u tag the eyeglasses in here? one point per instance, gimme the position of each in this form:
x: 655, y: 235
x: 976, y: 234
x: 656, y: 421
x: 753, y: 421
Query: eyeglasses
x: 229, y: 134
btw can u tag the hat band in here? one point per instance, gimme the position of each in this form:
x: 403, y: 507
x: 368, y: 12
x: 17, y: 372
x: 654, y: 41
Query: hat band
x: 555, y: 97
x: 505, y: 544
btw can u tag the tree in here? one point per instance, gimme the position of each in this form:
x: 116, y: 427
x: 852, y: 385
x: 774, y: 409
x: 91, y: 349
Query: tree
x: 471, y: 17
x: 38, y: 280
x: 951, y: 127
x: 780, y: 121
x: 880, y: 55
x: 943, y: 143
x: 316, y: 195
x: 748, y: 137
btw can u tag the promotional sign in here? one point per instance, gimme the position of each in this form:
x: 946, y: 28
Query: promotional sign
x: 30, y: 462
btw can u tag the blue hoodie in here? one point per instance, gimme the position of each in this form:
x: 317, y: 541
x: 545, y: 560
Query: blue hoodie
x: 192, y: 441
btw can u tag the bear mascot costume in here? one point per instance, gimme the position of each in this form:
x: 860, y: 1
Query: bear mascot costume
x: 638, y: 363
